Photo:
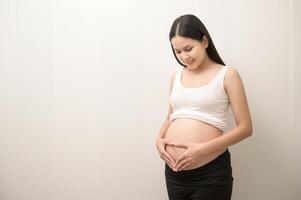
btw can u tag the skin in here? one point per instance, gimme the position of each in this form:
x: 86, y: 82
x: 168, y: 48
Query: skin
x: 193, y: 54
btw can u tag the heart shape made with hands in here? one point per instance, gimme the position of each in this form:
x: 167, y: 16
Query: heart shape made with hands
x: 175, y: 150
x: 187, y: 155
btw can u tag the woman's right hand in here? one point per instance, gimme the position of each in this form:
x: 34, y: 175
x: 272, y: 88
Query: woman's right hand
x: 161, y: 147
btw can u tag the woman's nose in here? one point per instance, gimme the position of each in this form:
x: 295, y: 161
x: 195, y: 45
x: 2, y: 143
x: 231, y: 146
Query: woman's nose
x: 185, y: 57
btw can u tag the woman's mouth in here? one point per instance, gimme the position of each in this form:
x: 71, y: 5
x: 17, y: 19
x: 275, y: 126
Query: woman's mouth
x: 189, y: 63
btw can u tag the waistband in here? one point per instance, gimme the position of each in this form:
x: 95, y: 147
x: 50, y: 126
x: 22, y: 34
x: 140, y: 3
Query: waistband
x: 221, y: 163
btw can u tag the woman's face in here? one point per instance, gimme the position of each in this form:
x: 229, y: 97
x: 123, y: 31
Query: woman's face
x: 190, y: 52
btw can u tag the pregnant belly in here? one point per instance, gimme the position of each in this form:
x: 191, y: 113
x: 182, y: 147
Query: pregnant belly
x: 184, y: 130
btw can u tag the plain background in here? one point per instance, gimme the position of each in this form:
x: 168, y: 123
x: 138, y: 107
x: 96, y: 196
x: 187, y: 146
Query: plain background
x: 84, y: 90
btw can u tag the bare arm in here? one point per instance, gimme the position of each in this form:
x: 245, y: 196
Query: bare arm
x: 236, y: 93
x: 160, y: 141
x: 166, y: 123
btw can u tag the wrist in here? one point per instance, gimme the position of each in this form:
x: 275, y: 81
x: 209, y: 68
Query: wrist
x: 203, y: 149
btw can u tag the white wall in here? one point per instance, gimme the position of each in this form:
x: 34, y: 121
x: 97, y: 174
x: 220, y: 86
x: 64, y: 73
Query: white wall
x: 84, y: 90
x: 296, y: 48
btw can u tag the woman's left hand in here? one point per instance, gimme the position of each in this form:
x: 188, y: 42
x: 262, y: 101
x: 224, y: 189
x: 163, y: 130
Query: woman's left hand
x: 191, y: 157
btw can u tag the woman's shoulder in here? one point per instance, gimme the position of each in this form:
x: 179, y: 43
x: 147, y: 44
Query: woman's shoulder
x: 231, y: 72
x: 232, y: 77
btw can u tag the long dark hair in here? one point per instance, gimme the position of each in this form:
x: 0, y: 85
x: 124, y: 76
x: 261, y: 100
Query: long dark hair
x: 191, y: 27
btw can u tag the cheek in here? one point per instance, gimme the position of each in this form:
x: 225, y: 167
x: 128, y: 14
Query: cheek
x: 198, y: 55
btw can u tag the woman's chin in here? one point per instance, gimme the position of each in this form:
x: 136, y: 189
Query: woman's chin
x: 192, y: 66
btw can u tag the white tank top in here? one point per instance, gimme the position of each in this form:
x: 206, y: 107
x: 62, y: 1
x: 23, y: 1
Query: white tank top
x: 207, y: 103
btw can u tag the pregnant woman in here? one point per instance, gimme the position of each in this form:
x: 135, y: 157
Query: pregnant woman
x: 192, y: 141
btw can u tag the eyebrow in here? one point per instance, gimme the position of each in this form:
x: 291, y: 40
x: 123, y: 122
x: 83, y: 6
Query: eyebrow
x: 184, y: 46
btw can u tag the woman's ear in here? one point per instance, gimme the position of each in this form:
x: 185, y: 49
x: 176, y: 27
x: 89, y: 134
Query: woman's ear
x: 205, y: 41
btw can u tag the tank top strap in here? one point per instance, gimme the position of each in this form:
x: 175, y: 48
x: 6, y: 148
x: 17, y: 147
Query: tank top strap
x: 178, y: 77
x: 222, y: 74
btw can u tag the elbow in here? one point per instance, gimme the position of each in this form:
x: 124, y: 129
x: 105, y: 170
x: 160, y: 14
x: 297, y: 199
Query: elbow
x: 246, y: 129
x: 249, y: 130
x: 249, y: 133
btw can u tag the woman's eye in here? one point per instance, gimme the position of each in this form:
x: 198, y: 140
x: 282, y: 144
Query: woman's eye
x: 188, y: 49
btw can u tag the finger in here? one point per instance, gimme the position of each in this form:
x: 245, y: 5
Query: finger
x: 168, y: 162
x: 181, y: 158
x: 182, y: 164
x: 165, y: 158
x: 185, y: 166
x: 168, y: 156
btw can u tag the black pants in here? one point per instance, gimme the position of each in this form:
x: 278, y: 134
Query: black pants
x: 212, y: 181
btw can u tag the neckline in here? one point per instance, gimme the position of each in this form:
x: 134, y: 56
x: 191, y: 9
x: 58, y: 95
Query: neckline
x: 201, y: 86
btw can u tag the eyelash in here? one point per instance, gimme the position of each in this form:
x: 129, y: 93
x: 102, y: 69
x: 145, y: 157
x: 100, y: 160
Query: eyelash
x: 185, y: 50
